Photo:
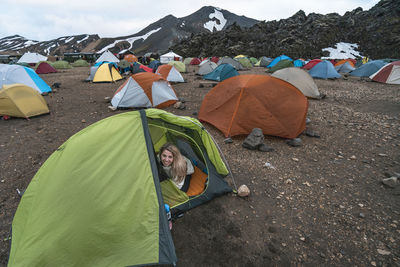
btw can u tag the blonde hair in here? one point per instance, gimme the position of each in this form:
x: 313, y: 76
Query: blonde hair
x: 179, y: 165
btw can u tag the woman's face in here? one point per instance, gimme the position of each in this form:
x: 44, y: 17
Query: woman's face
x: 167, y: 158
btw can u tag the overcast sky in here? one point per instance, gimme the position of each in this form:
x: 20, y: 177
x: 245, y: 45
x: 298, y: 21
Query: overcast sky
x: 43, y: 20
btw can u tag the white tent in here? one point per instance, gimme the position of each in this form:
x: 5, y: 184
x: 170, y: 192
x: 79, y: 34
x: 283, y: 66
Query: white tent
x: 170, y: 73
x: 170, y: 56
x: 300, y: 79
x: 107, y: 56
x: 29, y: 57
x: 206, y: 66
x: 143, y: 90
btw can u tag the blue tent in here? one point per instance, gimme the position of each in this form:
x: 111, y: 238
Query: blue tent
x: 298, y: 63
x: 154, y: 64
x: 277, y: 59
x: 11, y: 74
x: 344, y: 68
x: 222, y: 72
x: 368, y: 69
x: 324, y: 70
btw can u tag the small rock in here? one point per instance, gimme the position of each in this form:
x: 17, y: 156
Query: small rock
x: 243, y: 191
x: 391, y: 182
x: 295, y: 142
x: 383, y: 252
x: 107, y: 99
x: 373, y: 263
x: 303, y: 239
x: 361, y: 215
x: 2, y: 181
x: 382, y: 155
x: 228, y: 140
x: 353, y: 157
x: 254, y: 139
x: 288, y: 181
x: 311, y: 133
x: 83, y: 121
x: 182, y: 100
x: 308, y: 120
x: 111, y: 108
x: 269, y: 165
x: 295, y: 159
x: 265, y: 148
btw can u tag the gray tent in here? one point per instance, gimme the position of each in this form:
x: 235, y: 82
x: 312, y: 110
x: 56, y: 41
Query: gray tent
x: 368, y: 68
x: 92, y: 73
x: 300, y: 79
x: 228, y: 60
x: 206, y: 67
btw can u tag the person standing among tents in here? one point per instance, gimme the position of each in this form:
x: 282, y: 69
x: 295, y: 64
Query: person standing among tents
x: 175, y: 166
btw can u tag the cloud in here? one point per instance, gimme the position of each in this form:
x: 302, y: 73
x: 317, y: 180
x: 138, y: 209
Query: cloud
x: 48, y: 19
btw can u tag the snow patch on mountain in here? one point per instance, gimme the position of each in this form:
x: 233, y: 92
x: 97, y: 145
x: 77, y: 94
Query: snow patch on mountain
x: 85, y: 38
x: 342, y: 51
x: 129, y: 40
x: 210, y: 25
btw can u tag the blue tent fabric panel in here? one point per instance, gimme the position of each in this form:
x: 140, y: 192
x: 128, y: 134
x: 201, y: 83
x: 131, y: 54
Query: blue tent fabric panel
x: 44, y: 88
x: 324, y: 70
x: 222, y: 72
x: 277, y: 59
x: 368, y: 69
x: 298, y: 63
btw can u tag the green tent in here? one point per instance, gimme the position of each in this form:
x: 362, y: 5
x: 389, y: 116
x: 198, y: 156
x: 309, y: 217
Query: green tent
x: 281, y: 65
x: 98, y: 201
x: 245, y: 62
x: 178, y: 65
x: 253, y: 60
x: 80, y: 63
x: 61, y: 64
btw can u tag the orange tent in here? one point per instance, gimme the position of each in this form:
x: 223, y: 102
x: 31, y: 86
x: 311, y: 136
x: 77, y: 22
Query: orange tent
x: 344, y: 61
x: 130, y: 58
x: 144, y: 89
x: 241, y: 103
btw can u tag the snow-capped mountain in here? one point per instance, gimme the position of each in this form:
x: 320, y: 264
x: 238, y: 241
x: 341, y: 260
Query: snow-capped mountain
x: 157, y: 37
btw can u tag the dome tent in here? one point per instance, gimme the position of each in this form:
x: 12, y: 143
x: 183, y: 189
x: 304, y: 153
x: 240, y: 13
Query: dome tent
x: 143, y: 90
x: 44, y: 67
x: 389, y: 73
x: 324, y: 70
x: 170, y: 73
x: 300, y: 79
x: 135, y: 231
x: 20, y: 100
x: 221, y: 72
x: 10, y: 74
x: 368, y: 68
x: 108, y: 57
x: 239, y: 104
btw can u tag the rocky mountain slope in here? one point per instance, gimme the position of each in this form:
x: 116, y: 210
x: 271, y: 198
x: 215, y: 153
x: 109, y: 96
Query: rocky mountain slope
x: 157, y: 37
x: 376, y: 31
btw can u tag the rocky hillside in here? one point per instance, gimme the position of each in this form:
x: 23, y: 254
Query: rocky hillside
x: 376, y: 31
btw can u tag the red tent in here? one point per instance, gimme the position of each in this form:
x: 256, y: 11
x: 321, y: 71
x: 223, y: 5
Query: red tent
x: 145, y: 68
x: 195, y: 61
x: 44, y: 68
x: 215, y: 59
x: 312, y: 63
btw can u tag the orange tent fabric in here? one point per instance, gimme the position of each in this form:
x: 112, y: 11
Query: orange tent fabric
x: 130, y: 58
x: 344, y: 61
x: 164, y: 70
x: 145, y: 81
x: 239, y: 104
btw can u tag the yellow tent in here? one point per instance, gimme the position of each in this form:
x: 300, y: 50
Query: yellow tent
x: 20, y: 100
x: 106, y: 73
x: 178, y: 65
x: 240, y: 56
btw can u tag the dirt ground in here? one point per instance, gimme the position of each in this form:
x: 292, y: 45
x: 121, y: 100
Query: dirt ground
x: 322, y: 204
